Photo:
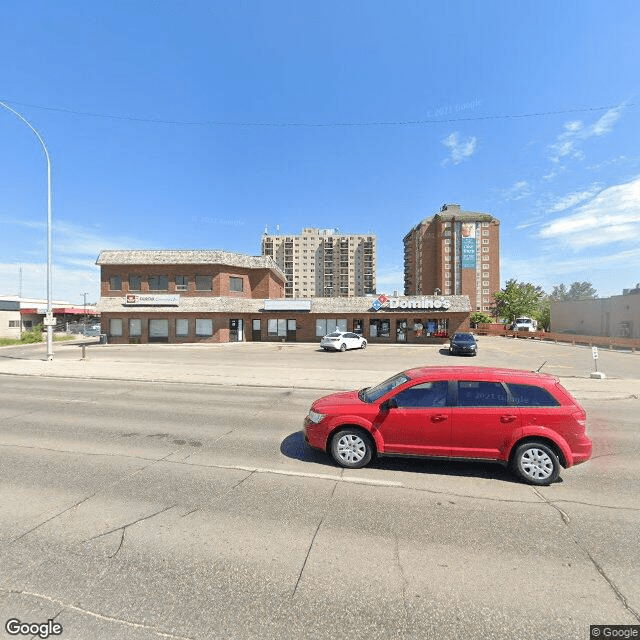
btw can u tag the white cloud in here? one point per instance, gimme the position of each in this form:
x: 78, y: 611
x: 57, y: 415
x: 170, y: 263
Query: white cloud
x: 75, y: 249
x: 518, y: 191
x: 621, y: 159
x: 613, y: 215
x: 575, y: 132
x: 572, y: 199
x: 606, y: 122
x: 459, y: 149
x: 68, y: 284
x: 549, y: 270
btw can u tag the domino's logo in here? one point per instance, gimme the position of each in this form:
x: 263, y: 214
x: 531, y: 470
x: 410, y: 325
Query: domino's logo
x: 379, y: 302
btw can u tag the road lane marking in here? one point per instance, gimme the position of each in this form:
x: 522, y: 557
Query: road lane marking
x: 319, y: 476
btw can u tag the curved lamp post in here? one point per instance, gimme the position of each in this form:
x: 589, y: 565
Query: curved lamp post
x: 49, y: 318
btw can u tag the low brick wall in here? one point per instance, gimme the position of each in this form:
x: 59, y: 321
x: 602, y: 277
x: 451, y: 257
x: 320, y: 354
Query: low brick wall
x: 591, y: 341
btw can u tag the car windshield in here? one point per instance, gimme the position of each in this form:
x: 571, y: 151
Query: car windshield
x: 371, y: 394
x: 463, y: 337
x: 333, y: 335
x: 523, y: 320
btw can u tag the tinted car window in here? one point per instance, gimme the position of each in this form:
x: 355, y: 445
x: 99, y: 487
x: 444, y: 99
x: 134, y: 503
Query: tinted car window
x: 481, y: 394
x: 525, y: 395
x: 427, y: 394
x: 373, y: 393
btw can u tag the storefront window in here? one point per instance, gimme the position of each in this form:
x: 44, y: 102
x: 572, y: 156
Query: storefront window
x: 429, y: 327
x: 204, y: 327
x: 115, y: 326
x: 401, y: 330
x: 158, y: 328
x: 135, y: 327
x: 379, y: 328
x: 358, y: 327
x: 329, y: 325
x: 182, y: 327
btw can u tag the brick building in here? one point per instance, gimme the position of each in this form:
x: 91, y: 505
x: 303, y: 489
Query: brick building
x: 215, y: 296
x: 324, y: 263
x: 456, y: 253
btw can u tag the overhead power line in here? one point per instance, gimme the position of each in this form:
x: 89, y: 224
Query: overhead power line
x: 373, y: 123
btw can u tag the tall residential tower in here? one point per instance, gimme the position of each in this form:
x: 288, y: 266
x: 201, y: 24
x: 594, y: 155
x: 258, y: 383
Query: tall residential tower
x: 323, y: 263
x: 456, y: 253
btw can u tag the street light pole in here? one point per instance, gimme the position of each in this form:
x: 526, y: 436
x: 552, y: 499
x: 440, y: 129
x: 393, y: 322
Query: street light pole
x: 49, y: 318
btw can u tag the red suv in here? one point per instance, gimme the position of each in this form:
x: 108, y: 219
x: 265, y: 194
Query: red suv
x: 525, y: 420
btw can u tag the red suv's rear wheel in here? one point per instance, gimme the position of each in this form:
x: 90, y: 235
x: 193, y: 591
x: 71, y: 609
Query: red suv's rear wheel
x: 536, y: 463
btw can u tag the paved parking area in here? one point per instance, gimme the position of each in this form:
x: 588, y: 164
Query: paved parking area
x: 305, y: 365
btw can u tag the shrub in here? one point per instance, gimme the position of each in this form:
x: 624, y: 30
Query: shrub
x: 33, y: 335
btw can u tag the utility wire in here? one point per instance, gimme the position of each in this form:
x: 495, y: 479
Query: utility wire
x: 382, y: 123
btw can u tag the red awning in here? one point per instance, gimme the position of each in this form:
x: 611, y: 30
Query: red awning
x: 64, y: 311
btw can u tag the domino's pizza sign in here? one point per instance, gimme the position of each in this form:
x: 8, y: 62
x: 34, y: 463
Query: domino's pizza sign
x: 379, y: 302
x: 423, y: 302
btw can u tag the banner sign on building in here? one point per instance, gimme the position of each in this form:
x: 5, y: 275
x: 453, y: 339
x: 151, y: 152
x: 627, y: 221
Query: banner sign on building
x: 468, y: 245
x: 151, y: 300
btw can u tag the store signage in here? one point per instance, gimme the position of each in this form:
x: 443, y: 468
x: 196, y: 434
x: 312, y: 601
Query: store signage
x: 424, y: 302
x: 151, y: 300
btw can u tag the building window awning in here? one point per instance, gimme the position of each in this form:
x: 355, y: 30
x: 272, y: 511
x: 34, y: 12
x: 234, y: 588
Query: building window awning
x: 287, y: 305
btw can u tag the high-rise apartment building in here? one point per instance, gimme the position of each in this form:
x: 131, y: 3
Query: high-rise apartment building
x: 456, y: 253
x: 324, y: 263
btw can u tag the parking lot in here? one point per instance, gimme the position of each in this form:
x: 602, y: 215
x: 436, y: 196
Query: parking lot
x: 165, y: 491
x: 305, y: 365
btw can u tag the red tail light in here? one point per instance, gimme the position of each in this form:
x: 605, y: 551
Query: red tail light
x: 581, y: 418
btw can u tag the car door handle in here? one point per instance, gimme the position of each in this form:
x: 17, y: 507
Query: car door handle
x: 439, y: 418
x: 508, y: 418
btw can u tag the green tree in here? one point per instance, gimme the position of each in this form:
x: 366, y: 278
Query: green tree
x: 543, y: 315
x: 576, y: 291
x: 478, y: 317
x: 518, y: 299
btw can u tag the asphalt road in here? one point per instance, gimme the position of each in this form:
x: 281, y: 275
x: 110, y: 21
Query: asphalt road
x: 141, y: 510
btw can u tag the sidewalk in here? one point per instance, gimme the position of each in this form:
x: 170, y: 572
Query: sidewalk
x: 283, y: 370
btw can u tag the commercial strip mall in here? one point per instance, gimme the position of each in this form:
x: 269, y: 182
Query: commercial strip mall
x: 217, y: 296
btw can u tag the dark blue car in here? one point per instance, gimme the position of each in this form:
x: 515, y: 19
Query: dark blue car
x: 464, y: 344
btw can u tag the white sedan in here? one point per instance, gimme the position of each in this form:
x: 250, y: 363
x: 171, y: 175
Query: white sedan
x: 342, y: 340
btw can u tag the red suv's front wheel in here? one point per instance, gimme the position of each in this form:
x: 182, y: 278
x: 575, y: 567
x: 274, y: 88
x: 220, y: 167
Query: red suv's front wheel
x: 351, y: 448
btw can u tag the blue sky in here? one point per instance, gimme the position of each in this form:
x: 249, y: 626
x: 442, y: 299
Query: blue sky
x: 196, y: 124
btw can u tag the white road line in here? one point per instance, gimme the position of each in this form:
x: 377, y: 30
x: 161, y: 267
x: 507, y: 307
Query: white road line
x: 320, y: 476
